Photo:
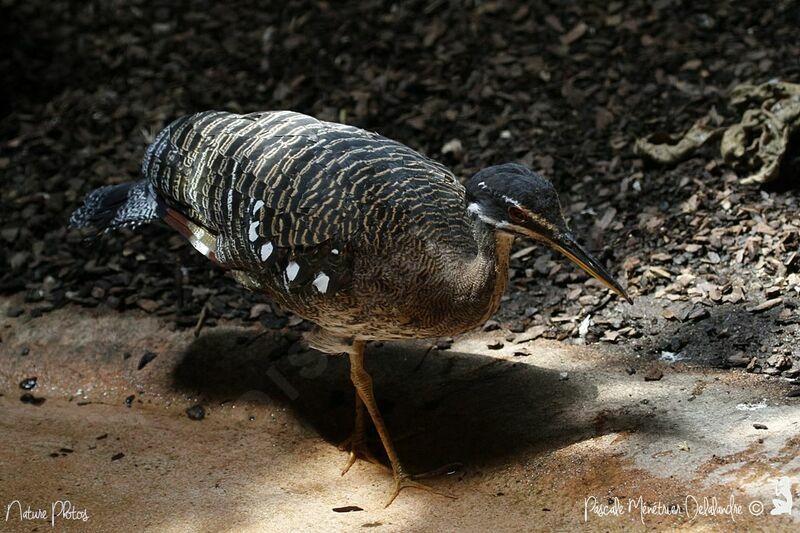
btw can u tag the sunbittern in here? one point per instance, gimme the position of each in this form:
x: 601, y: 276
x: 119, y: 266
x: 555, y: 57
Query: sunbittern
x: 352, y: 231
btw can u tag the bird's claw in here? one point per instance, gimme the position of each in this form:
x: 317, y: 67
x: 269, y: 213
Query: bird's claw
x: 357, y: 449
x: 405, y: 481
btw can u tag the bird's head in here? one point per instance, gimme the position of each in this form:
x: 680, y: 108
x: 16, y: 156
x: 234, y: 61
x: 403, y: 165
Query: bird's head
x: 514, y: 199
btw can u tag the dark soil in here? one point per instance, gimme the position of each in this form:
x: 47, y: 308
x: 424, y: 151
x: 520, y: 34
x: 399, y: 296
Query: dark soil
x: 566, y: 89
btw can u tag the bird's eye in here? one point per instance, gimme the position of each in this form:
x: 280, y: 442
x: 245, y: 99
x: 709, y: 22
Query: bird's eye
x: 517, y: 215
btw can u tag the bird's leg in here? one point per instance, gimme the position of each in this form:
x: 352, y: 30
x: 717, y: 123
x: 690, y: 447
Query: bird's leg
x: 362, y: 381
x: 356, y: 444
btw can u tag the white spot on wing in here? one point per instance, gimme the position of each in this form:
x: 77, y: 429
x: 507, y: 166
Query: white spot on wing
x: 252, y: 234
x: 321, y: 282
x: 258, y: 205
x: 266, y: 251
x: 335, y: 251
x: 292, y: 270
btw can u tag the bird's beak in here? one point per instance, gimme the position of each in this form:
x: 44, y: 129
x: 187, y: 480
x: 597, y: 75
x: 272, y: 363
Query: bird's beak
x: 565, y: 243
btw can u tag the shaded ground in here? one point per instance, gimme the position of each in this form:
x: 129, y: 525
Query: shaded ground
x: 536, y: 435
x: 566, y: 89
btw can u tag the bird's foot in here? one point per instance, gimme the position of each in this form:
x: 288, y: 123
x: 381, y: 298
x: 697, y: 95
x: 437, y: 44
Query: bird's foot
x: 356, y: 446
x: 403, y: 480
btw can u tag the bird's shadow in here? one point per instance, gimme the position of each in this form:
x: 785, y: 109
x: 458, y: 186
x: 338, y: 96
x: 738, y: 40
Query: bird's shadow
x: 440, y: 406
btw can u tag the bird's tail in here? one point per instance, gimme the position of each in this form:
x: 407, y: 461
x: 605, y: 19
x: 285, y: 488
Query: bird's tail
x: 115, y: 206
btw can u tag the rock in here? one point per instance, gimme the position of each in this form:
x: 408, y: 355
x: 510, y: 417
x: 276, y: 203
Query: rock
x: 531, y: 334
x: 780, y: 361
x: 675, y: 345
x: 444, y: 344
x: 494, y: 345
x: 146, y: 358
x: 738, y: 360
x: 18, y: 260
x: 347, y: 509
x: 516, y: 326
x: 98, y: 293
x: 583, y: 328
x: 765, y: 306
x: 28, y: 383
x: 150, y: 306
x: 196, y: 412
x: 653, y: 374
x: 453, y: 146
x: 491, y: 325
x: 698, y: 313
x: 259, y: 309
x: 10, y: 234
x: 759, y: 426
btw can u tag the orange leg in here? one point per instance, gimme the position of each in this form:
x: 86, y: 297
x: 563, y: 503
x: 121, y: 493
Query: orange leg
x: 362, y: 381
x: 356, y: 444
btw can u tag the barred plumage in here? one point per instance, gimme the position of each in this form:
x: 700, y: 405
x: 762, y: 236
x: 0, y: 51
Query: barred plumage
x: 353, y: 231
x: 304, y: 209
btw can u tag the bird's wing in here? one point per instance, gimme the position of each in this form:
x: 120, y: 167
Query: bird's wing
x: 286, y: 194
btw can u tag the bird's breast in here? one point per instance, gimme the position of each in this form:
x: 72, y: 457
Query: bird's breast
x: 430, y: 291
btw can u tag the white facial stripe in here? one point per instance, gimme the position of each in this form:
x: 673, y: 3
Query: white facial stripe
x: 266, y: 251
x: 478, y: 210
x: 321, y: 282
x: 292, y: 269
x: 512, y: 201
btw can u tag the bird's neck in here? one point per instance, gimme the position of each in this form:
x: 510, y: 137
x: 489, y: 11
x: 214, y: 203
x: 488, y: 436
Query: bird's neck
x: 485, y: 276
x: 500, y: 254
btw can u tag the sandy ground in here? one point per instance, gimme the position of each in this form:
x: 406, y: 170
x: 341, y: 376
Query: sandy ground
x: 540, y: 437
